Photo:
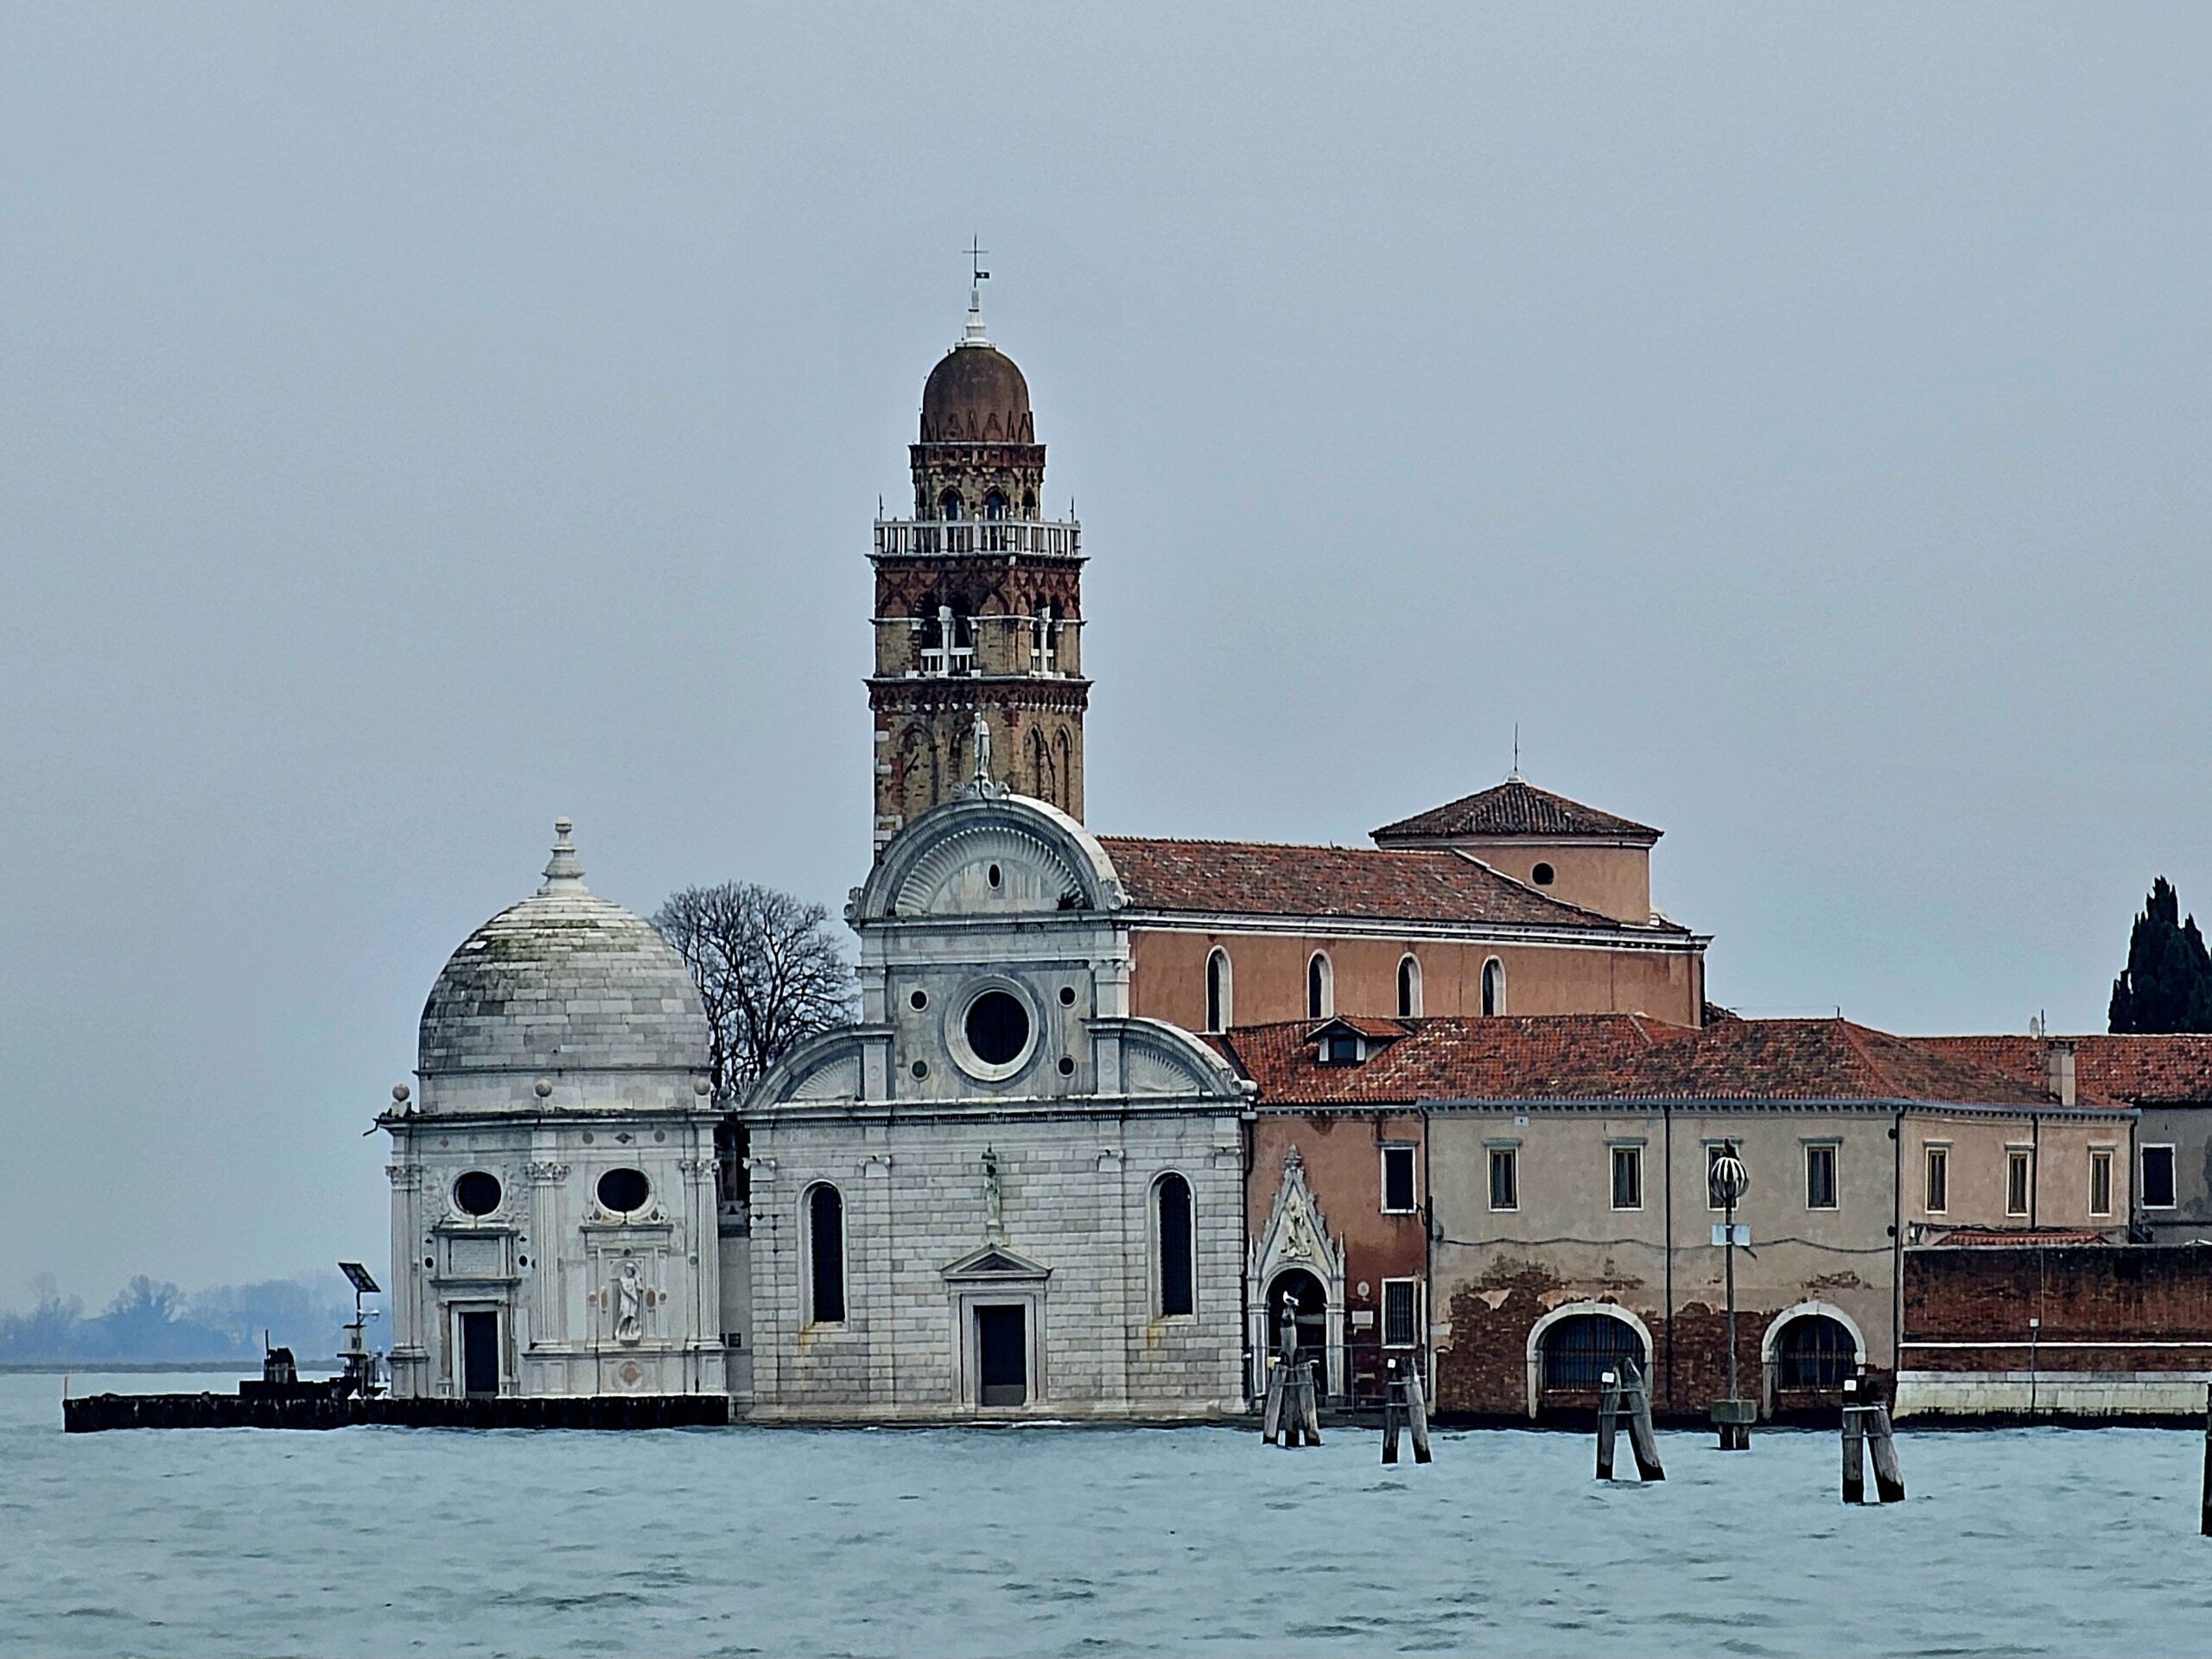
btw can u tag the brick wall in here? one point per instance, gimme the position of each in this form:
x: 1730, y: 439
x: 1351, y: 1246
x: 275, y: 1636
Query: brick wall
x: 2103, y: 1308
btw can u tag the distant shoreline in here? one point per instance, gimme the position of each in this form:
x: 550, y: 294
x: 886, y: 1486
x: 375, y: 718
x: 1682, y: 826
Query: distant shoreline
x: 91, y: 1367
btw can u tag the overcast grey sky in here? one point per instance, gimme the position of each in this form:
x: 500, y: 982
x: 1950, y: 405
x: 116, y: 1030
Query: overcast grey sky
x: 422, y: 421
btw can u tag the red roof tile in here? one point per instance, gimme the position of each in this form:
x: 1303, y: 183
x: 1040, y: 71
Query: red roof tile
x: 1563, y: 1057
x: 1998, y: 1238
x: 1251, y: 878
x: 2143, y: 1069
x: 1515, y: 807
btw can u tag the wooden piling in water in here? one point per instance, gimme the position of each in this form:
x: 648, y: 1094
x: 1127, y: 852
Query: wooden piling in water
x: 1417, y: 1412
x: 1609, y: 1412
x: 1394, y: 1391
x: 1889, y: 1478
x: 1641, y: 1438
x: 1271, y: 1413
x: 2204, y: 1519
x: 1854, y: 1461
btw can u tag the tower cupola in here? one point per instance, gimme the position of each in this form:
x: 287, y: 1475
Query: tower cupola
x: 978, y: 602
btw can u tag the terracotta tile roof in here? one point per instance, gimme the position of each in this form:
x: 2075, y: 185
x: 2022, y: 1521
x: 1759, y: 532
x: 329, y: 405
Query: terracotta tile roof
x: 1515, y: 807
x: 1998, y: 1238
x: 1443, y: 1058
x: 1252, y: 877
x: 1563, y: 1057
x: 2146, y: 1071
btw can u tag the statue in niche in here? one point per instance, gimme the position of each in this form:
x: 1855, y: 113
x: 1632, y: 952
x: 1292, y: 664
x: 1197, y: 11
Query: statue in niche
x: 629, y: 1300
x: 994, y: 1199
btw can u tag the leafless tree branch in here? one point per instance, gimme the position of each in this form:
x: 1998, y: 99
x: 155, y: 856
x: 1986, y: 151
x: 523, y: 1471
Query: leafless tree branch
x: 769, y: 969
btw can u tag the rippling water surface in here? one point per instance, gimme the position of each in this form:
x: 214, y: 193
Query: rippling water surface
x: 1043, y: 1541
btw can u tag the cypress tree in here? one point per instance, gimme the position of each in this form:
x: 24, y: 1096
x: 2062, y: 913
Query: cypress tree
x: 2167, y: 985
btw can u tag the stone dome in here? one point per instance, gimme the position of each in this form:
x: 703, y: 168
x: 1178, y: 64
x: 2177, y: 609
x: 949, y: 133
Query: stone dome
x: 564, y: 981
x: 976, y: 394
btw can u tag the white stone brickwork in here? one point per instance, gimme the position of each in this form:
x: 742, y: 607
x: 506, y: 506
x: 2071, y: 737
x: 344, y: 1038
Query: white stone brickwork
x: 996, y: 1128
x: 553, y: 1192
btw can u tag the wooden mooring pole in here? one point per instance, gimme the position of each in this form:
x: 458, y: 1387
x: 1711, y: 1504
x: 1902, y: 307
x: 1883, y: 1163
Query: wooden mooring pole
x: 1404, y: 1408
x: 1623, y: 1395
x: 1866, y: 1428
x: 2204, y: 1520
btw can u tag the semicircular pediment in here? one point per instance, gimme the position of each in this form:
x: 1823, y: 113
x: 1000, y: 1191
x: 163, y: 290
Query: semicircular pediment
x: 988, y: 868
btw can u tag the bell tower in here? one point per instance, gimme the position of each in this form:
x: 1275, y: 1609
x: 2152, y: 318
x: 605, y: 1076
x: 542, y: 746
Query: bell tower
x: 978, y: 603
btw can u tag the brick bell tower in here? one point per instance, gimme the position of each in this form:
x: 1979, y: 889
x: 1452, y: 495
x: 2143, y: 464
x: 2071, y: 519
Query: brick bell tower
x: 978, y: 603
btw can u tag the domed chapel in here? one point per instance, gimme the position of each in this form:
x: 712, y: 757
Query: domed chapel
x: 1023, y: 1183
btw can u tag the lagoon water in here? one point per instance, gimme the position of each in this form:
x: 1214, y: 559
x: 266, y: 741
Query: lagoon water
x: 1045, y: 1541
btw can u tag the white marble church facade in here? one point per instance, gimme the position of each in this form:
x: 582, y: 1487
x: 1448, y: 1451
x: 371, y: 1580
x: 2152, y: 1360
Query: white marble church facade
x: 998, y: 1195
x: 553, y: 1202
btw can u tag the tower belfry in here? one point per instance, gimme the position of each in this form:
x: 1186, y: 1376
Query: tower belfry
x: 978, y: 601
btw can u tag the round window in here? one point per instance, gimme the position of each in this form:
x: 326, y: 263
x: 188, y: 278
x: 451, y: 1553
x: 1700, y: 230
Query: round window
x: 918, y: 1001
x: 1541, y: 875
x: 477, y: 1193
x: 624, y: 1190
x: 997, y: 1027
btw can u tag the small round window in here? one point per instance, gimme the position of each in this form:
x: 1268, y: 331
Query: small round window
x: 623, y: 1189
x: 1541, y: 875
x: 997, y: 1027
x: 477, y: 1193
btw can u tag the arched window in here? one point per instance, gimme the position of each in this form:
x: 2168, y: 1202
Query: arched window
x: 994, y: 505
x: 1493, y: 986
x: 1580, y: 1349
x: 825, y: 1256
x: 1814, y: 1351
x: 1029, y: 504
x: 1177, y: 1293
x: 1408, y: 987
x: 1219, y: 1012
x: 948, y: 505
x: 1321, y: 986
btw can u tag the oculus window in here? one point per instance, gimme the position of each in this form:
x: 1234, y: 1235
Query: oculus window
x: 624, y: 1190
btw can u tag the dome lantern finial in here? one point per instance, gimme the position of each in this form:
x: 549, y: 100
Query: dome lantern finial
x: 974, y: 335
x: 563, y: 874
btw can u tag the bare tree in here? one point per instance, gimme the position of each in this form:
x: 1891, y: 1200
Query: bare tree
x: 769, y: 969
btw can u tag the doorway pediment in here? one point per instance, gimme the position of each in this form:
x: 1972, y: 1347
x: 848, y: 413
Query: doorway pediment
x: 994, y: 1264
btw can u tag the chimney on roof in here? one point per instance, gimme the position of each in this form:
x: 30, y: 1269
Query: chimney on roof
x: 2058, y: 1069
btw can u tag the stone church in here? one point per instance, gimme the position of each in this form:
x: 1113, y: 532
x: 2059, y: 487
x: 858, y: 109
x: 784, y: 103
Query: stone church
x: 1018, y: 1186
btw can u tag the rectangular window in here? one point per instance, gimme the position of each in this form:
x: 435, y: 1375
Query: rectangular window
x: 1628, y: 1177
x: 1819, y: 1177
x: 2157, y: 1188
x: 2017, y: 1171
x: 2099, y: 1181
x: 1937, y: 1198
x: 1399, y: 1325
x: 1398, y: 1179
x: 1504, y: 1178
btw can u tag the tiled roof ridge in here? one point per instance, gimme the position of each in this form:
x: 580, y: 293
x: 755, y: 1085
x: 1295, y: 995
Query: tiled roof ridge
x: 1513, y: 807
x: 1433, y: 864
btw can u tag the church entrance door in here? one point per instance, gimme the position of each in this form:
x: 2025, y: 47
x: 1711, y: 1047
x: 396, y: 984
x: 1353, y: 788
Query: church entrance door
x: 480, y: 1353
x: 1001, y: 1355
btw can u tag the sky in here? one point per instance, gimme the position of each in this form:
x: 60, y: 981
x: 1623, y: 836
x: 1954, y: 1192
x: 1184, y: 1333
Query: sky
x: 419, y: 421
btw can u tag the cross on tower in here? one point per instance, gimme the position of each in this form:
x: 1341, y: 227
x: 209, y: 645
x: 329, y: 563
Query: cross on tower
x: 975, y: 252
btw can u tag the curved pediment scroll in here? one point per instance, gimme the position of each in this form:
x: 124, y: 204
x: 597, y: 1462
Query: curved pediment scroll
x: 981, y: 855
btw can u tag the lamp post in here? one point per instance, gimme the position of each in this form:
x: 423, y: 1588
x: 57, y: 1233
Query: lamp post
x: 1732, y: 1416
